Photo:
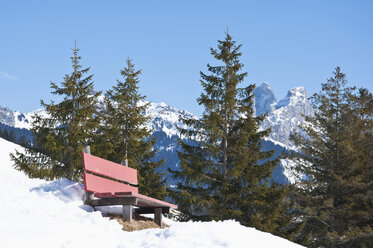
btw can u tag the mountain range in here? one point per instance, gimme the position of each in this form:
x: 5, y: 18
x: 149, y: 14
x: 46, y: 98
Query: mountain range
x: 283, y: 117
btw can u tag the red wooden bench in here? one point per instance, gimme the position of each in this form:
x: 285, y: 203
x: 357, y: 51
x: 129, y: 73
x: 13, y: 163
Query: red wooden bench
x: 108, y: 183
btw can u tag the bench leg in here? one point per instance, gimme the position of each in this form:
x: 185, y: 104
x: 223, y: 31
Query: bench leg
x: 127, y: 213
x: 158, y: 216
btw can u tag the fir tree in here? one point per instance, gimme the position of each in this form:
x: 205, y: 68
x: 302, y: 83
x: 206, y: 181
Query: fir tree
x: 6, y: 134
x: 22, y: 140
x: 123, y: 136
x: 69, y: 127
x: 224, y: 174
x: 334, y: 202
x: 12, y: 136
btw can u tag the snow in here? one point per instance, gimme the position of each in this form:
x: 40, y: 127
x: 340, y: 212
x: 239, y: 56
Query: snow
x: 295, y: 95
x: 264, y: 99
x: 166, y: 118
x: 25, y: 120
x: 39, y: 213
x: 289, y: 112
x: 289, y: 171
x: 6, y: 116
x: 284, y: 116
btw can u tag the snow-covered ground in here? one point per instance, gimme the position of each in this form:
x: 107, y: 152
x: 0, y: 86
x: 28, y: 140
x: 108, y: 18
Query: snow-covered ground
x: 38, y: 213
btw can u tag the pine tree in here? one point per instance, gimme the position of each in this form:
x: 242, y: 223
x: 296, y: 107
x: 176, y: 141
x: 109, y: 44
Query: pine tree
x: 22, y: 140
x: 6, y: 134
x: 70, y: 126
x: 357, y: 182
x: 224, y: 174
x: 12, y: 136
x: 334, y: 201
x: 123, y: 136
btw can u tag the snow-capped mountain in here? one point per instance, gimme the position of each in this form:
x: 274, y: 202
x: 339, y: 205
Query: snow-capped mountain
x: 283, y: 117
x: 17, y: 119
x: 16, y: 124
x: 10, y: 118
x: 162, y: 117
x: 265, y: 99
x: 166, y: 118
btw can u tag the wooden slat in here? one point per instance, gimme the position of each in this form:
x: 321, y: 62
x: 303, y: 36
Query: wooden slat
x: 154, y: 201
x: 150, y: 210
x: 98, y: 184
x: 112, y: 201
x: 112, y: 192
x: 146, y: 201
x: 110, y: 169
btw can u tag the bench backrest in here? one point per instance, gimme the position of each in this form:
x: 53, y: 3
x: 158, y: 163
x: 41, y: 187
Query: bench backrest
x: 103, y: 176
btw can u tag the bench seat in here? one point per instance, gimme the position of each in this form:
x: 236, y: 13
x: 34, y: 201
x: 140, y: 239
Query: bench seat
x: 143, y: 200
x: 107, y: 183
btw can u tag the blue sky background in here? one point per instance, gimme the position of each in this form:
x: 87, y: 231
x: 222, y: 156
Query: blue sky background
x: 286, y: 43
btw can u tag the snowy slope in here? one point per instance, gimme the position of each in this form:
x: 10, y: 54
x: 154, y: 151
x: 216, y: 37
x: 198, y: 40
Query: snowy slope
x: 38, y: 213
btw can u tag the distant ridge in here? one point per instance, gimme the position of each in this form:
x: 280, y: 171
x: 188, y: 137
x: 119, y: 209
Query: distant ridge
x: 284, y: 116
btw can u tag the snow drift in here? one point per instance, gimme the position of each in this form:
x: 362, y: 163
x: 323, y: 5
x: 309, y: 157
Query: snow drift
x: 38, y: 213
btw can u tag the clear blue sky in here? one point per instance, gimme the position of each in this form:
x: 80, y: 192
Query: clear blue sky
x: 286, y: 43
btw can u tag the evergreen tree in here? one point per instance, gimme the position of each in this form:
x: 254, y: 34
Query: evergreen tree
x: 22, y: 140
x: 123, y: 136
x: 334, y: 201
x: 69, y: 127
x: 357, y: 182
x: 224, y: 174
x: 6, y: 134
x: 12, y: 136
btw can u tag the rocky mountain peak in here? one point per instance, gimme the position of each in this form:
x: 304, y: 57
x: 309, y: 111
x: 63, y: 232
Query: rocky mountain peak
x: 288, y: 114
x: 6, y: 116
x: 283, y: 118
x: 294, y: 96
x: 264, y: 98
